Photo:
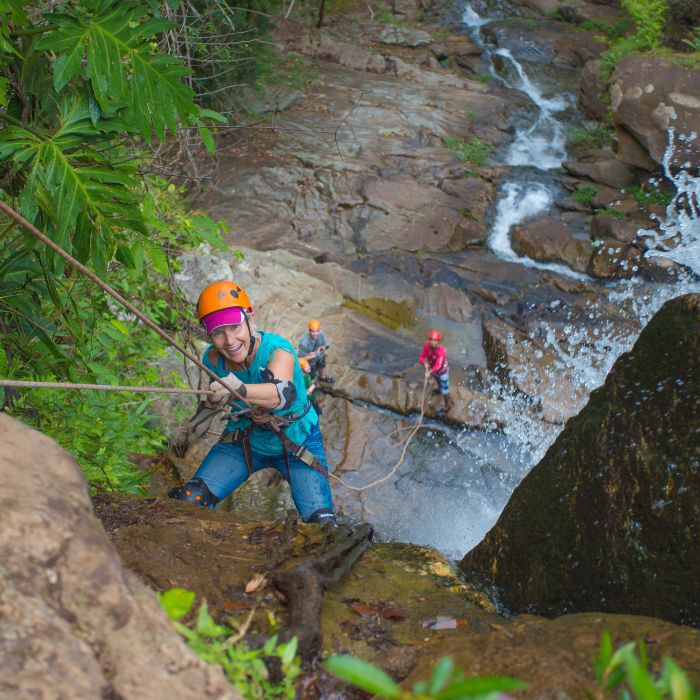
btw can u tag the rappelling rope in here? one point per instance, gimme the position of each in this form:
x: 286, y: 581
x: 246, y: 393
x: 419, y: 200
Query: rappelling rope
x: 405, y: 441
x: 104, y: 286
x: 255, y: 415
x: 100, y: 387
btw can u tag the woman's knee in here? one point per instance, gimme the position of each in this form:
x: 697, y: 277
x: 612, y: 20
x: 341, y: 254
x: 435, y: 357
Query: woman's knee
x: 224, y: 469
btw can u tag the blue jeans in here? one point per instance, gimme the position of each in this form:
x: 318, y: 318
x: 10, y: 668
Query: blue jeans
x: 224, y: 469
x: 443, y: 382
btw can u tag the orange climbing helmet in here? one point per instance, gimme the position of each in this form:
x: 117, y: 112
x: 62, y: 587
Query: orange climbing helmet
x: 222, y: 303
x: 304, y: 364
x: 314, y: 325
x: 435, y: 335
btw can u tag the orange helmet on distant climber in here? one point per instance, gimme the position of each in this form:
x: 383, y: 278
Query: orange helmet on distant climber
x: 435, y: 335
x: 304, y: 363
x: 222, y: 303
x: 314, y: 325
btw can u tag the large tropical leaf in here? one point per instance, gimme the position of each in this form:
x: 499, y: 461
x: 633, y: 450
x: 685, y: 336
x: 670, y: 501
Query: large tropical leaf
x: 87, y: 202
x: 123, y: 69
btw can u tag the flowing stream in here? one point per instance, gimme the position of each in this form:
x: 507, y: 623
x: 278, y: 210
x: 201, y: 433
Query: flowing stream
x: 454, y: 483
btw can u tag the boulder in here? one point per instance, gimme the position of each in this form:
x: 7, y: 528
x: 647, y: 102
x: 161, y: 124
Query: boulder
x: 618, y: 229
x: 548, y: 239
x: 547, y: 42
x: 591, y: 87
x: 76, y: 624
x: 525, y: 364
x: 609, y: 171
x: 456, y: 46
x: 649, y: 95
x: 608, y: 520
x: 613, y: 259
x: 402, y: 36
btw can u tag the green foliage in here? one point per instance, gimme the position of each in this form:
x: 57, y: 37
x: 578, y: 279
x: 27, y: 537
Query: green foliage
x: 694, y: 41
x: 585, y: 193
x: 63, y: 328
x: 83, y: 82
x: 223, y: 646
x: 620, y: 673
x: 590, y: 137
x: 649, y: 17
x: 616, y: 213
x: 653, y: 195
x: 445, y: 683
x: 383, y: 14
x: 228, y: 47
x: 620, y: 27
x: 623, y: 674
x: 474, y: 151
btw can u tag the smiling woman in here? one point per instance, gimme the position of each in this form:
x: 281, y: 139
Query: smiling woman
x: 271, y: 422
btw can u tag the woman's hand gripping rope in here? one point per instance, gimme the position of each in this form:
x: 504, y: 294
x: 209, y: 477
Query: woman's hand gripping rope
x: 413, y: 429
x: 220, y: 394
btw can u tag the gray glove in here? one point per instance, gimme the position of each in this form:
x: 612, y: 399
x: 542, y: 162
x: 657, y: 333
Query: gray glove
x: 219, y: 396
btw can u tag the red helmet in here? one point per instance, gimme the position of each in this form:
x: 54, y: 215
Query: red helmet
x: 435, y: 335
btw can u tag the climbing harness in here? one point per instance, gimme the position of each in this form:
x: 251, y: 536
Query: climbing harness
x: 262, y: 418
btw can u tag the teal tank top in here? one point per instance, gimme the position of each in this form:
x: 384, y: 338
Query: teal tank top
x: 264, y: 441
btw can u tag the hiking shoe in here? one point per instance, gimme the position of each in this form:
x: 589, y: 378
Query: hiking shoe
x: 328, y: 379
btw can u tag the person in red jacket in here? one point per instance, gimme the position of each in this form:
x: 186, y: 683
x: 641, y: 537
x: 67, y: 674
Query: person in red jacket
x: 433, y: 357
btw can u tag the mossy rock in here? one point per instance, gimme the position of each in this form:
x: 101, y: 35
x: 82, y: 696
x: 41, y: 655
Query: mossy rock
x: 609, y: 520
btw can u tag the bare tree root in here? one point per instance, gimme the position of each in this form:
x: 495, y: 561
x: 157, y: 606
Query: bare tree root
x: 304, y: 583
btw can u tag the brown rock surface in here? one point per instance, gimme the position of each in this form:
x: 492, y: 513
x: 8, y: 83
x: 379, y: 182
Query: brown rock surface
x: 614, y: 259
x: 75, y: 623
x: 468, y: 408
x: 610, y: 171
x: 548, y: 239
x: 384, y: 609
x: 523, y: 363
x: 649, y: 94
x: 591, y: 89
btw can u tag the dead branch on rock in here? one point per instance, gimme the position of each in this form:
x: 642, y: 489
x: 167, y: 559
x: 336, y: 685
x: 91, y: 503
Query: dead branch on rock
x: 304, y: 583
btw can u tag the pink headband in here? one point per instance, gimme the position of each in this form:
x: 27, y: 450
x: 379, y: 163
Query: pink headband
x: 223, y: 317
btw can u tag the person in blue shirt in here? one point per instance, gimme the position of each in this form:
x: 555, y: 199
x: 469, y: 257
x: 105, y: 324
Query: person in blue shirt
x: 312, y: 347
x: 264, y: 388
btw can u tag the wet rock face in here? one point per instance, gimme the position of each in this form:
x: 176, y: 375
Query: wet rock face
x: 548, y: 239
x: 609, y: 520
x: 649, y: 95
x: 75, y: 623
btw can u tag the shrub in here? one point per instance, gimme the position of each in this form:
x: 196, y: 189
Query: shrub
x: 616, y: 213
x: 474, y: 151
x: 651, y: 196
x: 649, y: 18
x: 585, y: 138
x: 445, y: 681
x: 224, y: 646
x: 585, y: 193
x: 620, y: 671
